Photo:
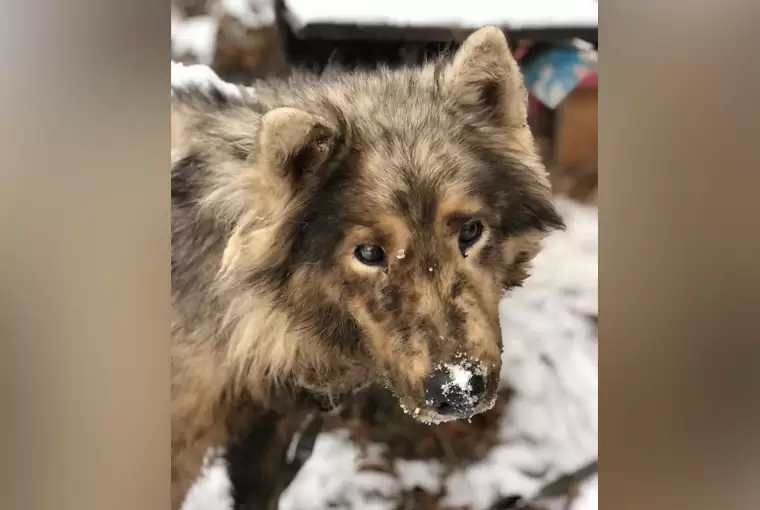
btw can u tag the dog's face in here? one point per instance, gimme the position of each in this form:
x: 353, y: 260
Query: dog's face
x: 429, y: 234
x: 417, y: 199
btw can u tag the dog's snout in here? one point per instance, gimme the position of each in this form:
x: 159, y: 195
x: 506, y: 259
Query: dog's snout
x: 455, y: 390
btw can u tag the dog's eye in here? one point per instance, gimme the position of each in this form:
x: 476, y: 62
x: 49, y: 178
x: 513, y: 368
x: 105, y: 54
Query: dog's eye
x: 370, y: 254
x: 469, y: 234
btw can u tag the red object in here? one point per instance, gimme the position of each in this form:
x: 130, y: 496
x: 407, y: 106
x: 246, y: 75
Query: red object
x: 532, y: 105
x: 535, y: 107
x: 590, y: 81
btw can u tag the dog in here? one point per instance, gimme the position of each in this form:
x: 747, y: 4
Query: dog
x: 353, y: 228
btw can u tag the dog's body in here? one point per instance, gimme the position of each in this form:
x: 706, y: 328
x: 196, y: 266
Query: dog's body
x: 351, y: 229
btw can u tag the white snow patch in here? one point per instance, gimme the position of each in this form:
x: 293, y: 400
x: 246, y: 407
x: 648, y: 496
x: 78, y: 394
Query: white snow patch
x: 588, y: 499
x: 202, y: 76
x: 434, y: 13
x: 459, y: 383
x: 195, y: 36
x: 551, y: 347
x: 290, y: 455
x: 551, y: 425
x: 326, y: 476
x: 212, y: 491
x: 250, y: 13
x: 420, y: 473
x: 400, y: 254
x: 479, y: 485
x: 460, y: 377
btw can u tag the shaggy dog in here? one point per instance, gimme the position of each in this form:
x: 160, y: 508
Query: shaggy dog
x: 354, y: 228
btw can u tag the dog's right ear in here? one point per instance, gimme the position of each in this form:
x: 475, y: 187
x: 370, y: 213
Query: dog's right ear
x: 295, y: 142
x: 485, y: 80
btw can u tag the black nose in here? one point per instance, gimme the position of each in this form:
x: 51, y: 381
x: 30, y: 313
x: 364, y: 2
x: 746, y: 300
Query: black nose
x: 455, y: 390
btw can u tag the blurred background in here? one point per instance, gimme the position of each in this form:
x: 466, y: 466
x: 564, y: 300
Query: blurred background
x: 545, y: 425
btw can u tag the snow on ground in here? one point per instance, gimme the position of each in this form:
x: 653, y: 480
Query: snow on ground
x: 588, y: 499
x: 213, y: 491
x: 195, y: 37
x: 473, y: 14
x: 202, y: 76
x: 550, y: 361
x: 551, y: 425
x: 250, y: 13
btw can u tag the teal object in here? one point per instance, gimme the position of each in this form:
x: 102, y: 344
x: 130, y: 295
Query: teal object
x: 553, y: 74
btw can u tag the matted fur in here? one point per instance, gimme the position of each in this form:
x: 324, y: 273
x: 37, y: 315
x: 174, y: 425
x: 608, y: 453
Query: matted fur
x: 272, y: 193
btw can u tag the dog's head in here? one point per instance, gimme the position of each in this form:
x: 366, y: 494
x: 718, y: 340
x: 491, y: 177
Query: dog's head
x: 411, y: 200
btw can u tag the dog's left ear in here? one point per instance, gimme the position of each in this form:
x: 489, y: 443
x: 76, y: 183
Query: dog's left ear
x: 295, y: 143
x: 485, y: 80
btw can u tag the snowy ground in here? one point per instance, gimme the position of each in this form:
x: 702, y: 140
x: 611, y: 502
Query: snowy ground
x: 196, y: 36
x: 550, y: 428
x: 203, y: 77
x: 550, y: 360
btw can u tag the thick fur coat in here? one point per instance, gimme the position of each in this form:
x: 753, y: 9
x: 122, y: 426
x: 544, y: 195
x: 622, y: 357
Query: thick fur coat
x: 353, y: 228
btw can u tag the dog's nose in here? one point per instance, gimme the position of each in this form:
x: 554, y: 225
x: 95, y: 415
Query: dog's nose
x: 455, y: 390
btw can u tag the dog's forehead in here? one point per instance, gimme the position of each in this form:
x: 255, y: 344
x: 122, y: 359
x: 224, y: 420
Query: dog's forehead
x: 405, y: 123
x: 403, y: 163
x: 431, y: 163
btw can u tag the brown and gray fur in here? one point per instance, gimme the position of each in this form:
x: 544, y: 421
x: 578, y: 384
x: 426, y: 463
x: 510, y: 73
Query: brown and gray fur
x: 272, y: 193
